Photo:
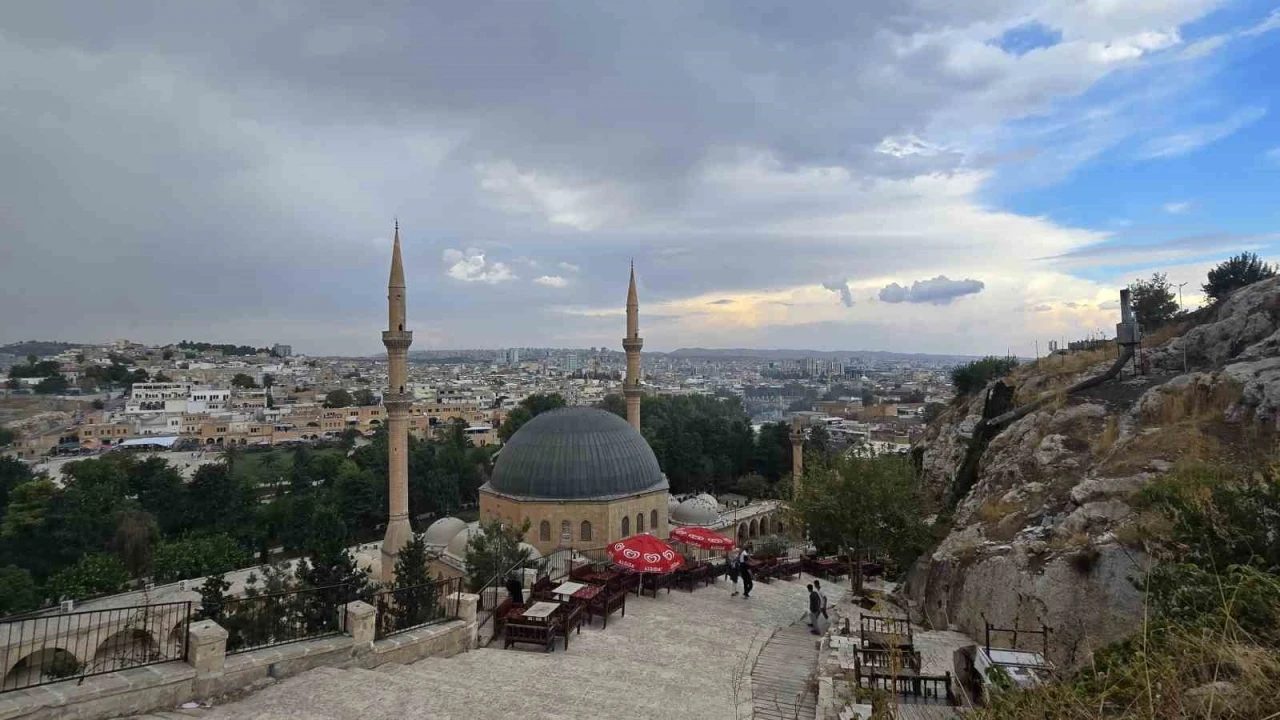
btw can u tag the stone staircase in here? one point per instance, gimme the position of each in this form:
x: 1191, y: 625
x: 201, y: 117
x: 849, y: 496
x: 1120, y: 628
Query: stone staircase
x: 678, y: 654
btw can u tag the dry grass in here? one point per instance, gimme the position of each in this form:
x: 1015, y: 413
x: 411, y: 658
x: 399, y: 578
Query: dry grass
x: 1107, y: 438
x: 995, y: 510
x: 1194, y: 403
x: 1071, y: 542
x: 1056, y: 372
x: 1179, y: 442
x: 1166, y: 333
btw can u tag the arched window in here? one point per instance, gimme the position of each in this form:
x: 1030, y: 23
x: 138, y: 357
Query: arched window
x: 585, y: 533
x: 566, y: 532
x: 639, y: 522
x: 626, y: 527
x: 544, y: 531
x: 653, y: 520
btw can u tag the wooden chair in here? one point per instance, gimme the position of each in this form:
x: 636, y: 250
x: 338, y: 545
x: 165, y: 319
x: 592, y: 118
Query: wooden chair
x: 543, y: 634
x: 606, y: 603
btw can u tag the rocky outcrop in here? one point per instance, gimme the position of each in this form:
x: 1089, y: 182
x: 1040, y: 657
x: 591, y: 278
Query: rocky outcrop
x: 1036, y: 532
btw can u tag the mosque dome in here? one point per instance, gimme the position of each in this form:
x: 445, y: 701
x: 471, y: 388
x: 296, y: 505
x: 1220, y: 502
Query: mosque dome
x: 576, y: 453
x: 533, y: 551
x: 457, y: 547
x: 696, y: 511
x: 443, y: 530
x: 710, y: 499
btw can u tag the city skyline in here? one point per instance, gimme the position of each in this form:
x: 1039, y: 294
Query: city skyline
x: 963, y: 182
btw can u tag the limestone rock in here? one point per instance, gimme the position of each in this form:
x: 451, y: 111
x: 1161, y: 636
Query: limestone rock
x: 1093, y: 515
x: 1103, y: 487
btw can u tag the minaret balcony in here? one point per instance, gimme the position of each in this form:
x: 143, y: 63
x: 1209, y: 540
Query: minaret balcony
x: 629, y: 344
x: 397, y: 339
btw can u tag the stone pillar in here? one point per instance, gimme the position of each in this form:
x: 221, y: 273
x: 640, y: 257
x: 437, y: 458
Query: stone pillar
x: 468, y: 605
x: 797, y: 453
x: 632, y: 344
x: 361, y: 623
x: 207, y: 647
x: 397, y: 402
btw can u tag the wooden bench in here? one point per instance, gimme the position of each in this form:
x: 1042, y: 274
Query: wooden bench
x: 887, y: 633
x: 531, y: 633
x: 606, y: 603
x: 911, y: 687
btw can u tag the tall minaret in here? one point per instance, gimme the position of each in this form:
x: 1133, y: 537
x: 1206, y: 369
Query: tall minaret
x: 632, y: 344
x: 797, y: 453
x: 397, y: 401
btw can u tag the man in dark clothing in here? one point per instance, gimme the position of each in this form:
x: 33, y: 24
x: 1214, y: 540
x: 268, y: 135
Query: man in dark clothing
x: 515, y: 590
x: 815, y: 606
x: 744, y: 570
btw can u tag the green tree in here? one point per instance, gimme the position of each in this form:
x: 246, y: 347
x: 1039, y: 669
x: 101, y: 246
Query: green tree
x: 190, y: 557
x: 13, y: 472
x: 1234, y: 273
x: 329, y: 561
x: 52, y: 385
x: 495, y: 549
x: 1154, y: 301
x: 862, y: 506
x: 213, y: 597
x: 93, y: 575
x: 159, y: 489
x: 7, y: 436
x: 528, y: 409
x: 755, y: 486
x: 364, y: 397
x: 215, y: 499
x: 241, y: 380
x: 339, y: 398
x: 135, y: 540
x: 974, y: 376
x: 18, y: 592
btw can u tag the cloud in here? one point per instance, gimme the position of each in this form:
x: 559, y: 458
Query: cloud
x: 1193, y: 138
x: 554, y: 281
x: 1271, y: 22
x: 1113, y: 252
x: 1043, y: 307
x: 470, y: 266
x: 1273, y: 154
x: 569, y: 267
x: 1177, y: 208
x: 940, y: 290
x: 841, y: 287
x: 722, y: 301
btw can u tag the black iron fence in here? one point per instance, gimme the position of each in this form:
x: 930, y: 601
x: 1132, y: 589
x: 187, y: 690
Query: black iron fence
x: 409, y: 608
x: 260, y: 621
x: 61, y: 646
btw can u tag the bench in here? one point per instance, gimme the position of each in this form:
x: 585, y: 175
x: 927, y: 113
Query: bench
x: 531, y: 633
x: 606, y: 603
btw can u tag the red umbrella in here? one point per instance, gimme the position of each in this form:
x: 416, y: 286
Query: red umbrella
x: 645, y: 553
x: 702, y: 538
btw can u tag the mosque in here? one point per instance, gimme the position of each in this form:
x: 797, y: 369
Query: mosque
x: 581, y: 477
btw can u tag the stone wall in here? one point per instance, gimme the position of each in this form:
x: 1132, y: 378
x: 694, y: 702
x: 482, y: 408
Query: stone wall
x: 605, y: 518
x: 209, y: 672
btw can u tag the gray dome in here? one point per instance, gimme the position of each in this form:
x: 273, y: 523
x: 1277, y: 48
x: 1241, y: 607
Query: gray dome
x: 458, y: 545
x: 443, y: 530
x: 695, y: 511
x: 576, y: 453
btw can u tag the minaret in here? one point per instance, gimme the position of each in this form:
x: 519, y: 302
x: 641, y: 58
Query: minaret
x: 797, y: 453
x: 397, y: 401
x: 632, y: 344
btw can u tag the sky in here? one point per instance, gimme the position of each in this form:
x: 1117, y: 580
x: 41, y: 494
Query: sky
x: 918, y: 176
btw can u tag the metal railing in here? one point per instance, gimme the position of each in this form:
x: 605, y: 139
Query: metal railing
x: 260, y: 621
x: 404, y: 609
x: 52, y: 647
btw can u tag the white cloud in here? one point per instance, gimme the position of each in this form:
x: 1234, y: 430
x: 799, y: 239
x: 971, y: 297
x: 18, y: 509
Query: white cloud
x: 940, y: 290
x: 569, y: 267
x: 554, y: 281
x: 1177, y: 208
x: 836, y: 286
x: 1271, y: 22
x: 1194, y: 138
x: 471, y: 266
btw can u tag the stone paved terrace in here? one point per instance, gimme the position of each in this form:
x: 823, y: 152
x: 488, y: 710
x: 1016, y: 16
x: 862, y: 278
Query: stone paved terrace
x: 674, y: 656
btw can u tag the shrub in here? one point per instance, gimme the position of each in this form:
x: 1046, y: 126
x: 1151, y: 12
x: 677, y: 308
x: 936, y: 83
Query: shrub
x: 974, y: 376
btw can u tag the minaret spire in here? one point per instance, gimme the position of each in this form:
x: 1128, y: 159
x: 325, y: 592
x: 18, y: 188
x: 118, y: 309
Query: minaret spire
x: 632, y: 344
x: 396, y: 401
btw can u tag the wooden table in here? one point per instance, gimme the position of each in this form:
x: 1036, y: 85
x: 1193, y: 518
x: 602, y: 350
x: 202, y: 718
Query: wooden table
x: 566, y: 589
x: 587, y: 592
x: 534, y: 625
x: 540, y: 610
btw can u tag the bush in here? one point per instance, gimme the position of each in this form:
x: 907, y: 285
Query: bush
x: 95, y: 574
x: 193, y: 557
x: 974, y: 376
x: 1237, y: 272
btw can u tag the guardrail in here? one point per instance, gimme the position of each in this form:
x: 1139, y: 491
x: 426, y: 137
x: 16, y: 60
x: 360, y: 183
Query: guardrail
x: 260, y: 621
x: 63, y: 646
x: 404, y: 609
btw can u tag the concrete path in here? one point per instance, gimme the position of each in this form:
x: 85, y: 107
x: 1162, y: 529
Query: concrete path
x: 684, y: 654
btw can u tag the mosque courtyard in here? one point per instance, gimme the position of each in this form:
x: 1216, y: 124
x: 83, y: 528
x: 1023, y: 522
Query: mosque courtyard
x: 682, y: 654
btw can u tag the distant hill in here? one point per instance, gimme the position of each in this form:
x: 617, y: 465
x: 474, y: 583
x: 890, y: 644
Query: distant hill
x: 785, y: 354
x: 39, y: 348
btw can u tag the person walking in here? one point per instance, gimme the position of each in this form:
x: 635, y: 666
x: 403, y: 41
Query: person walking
x: 744, y: 569
x: 822, y: 594
x: 815, y: 606
x: 732, y: 569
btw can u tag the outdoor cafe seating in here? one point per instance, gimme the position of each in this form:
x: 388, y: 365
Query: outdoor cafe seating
x: 536, y: 624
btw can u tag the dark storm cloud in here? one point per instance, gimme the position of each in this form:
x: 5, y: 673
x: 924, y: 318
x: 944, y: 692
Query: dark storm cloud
x: 940, y: 290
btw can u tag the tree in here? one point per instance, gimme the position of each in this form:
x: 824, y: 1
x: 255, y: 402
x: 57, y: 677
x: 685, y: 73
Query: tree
x: 364, y: 397
x: 167, y: 355
x: 95, y: 574
x: 862, y: 506
x: 98, y: 404
x: 1235, y: 273
x: 7, y: 436
x: 974, y: 376
x: 1154, y: 301
x: 213, y: 595
x: 528, y: 409
x: 329, y: 562
x: 13, y: 472
x: 18, y: 592
x: 268, y: 380
x: 52, y: 385
x: 160, y: 377
x: 135, y: 540
x: 755, y: 486
x: 495, y: 549
x: 241, y: 380
x: 339, y: 398
x: 192, y: 556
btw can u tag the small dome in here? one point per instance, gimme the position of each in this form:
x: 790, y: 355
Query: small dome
x: 672, y: 502
x: 443, y: 530
x: 458, y: 545
x: 576, y: 453
x: 710, y: 499
x: 533, y: 551
x: 696, y: 511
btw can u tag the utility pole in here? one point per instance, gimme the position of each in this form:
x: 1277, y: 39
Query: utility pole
x: 1180, y: 311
